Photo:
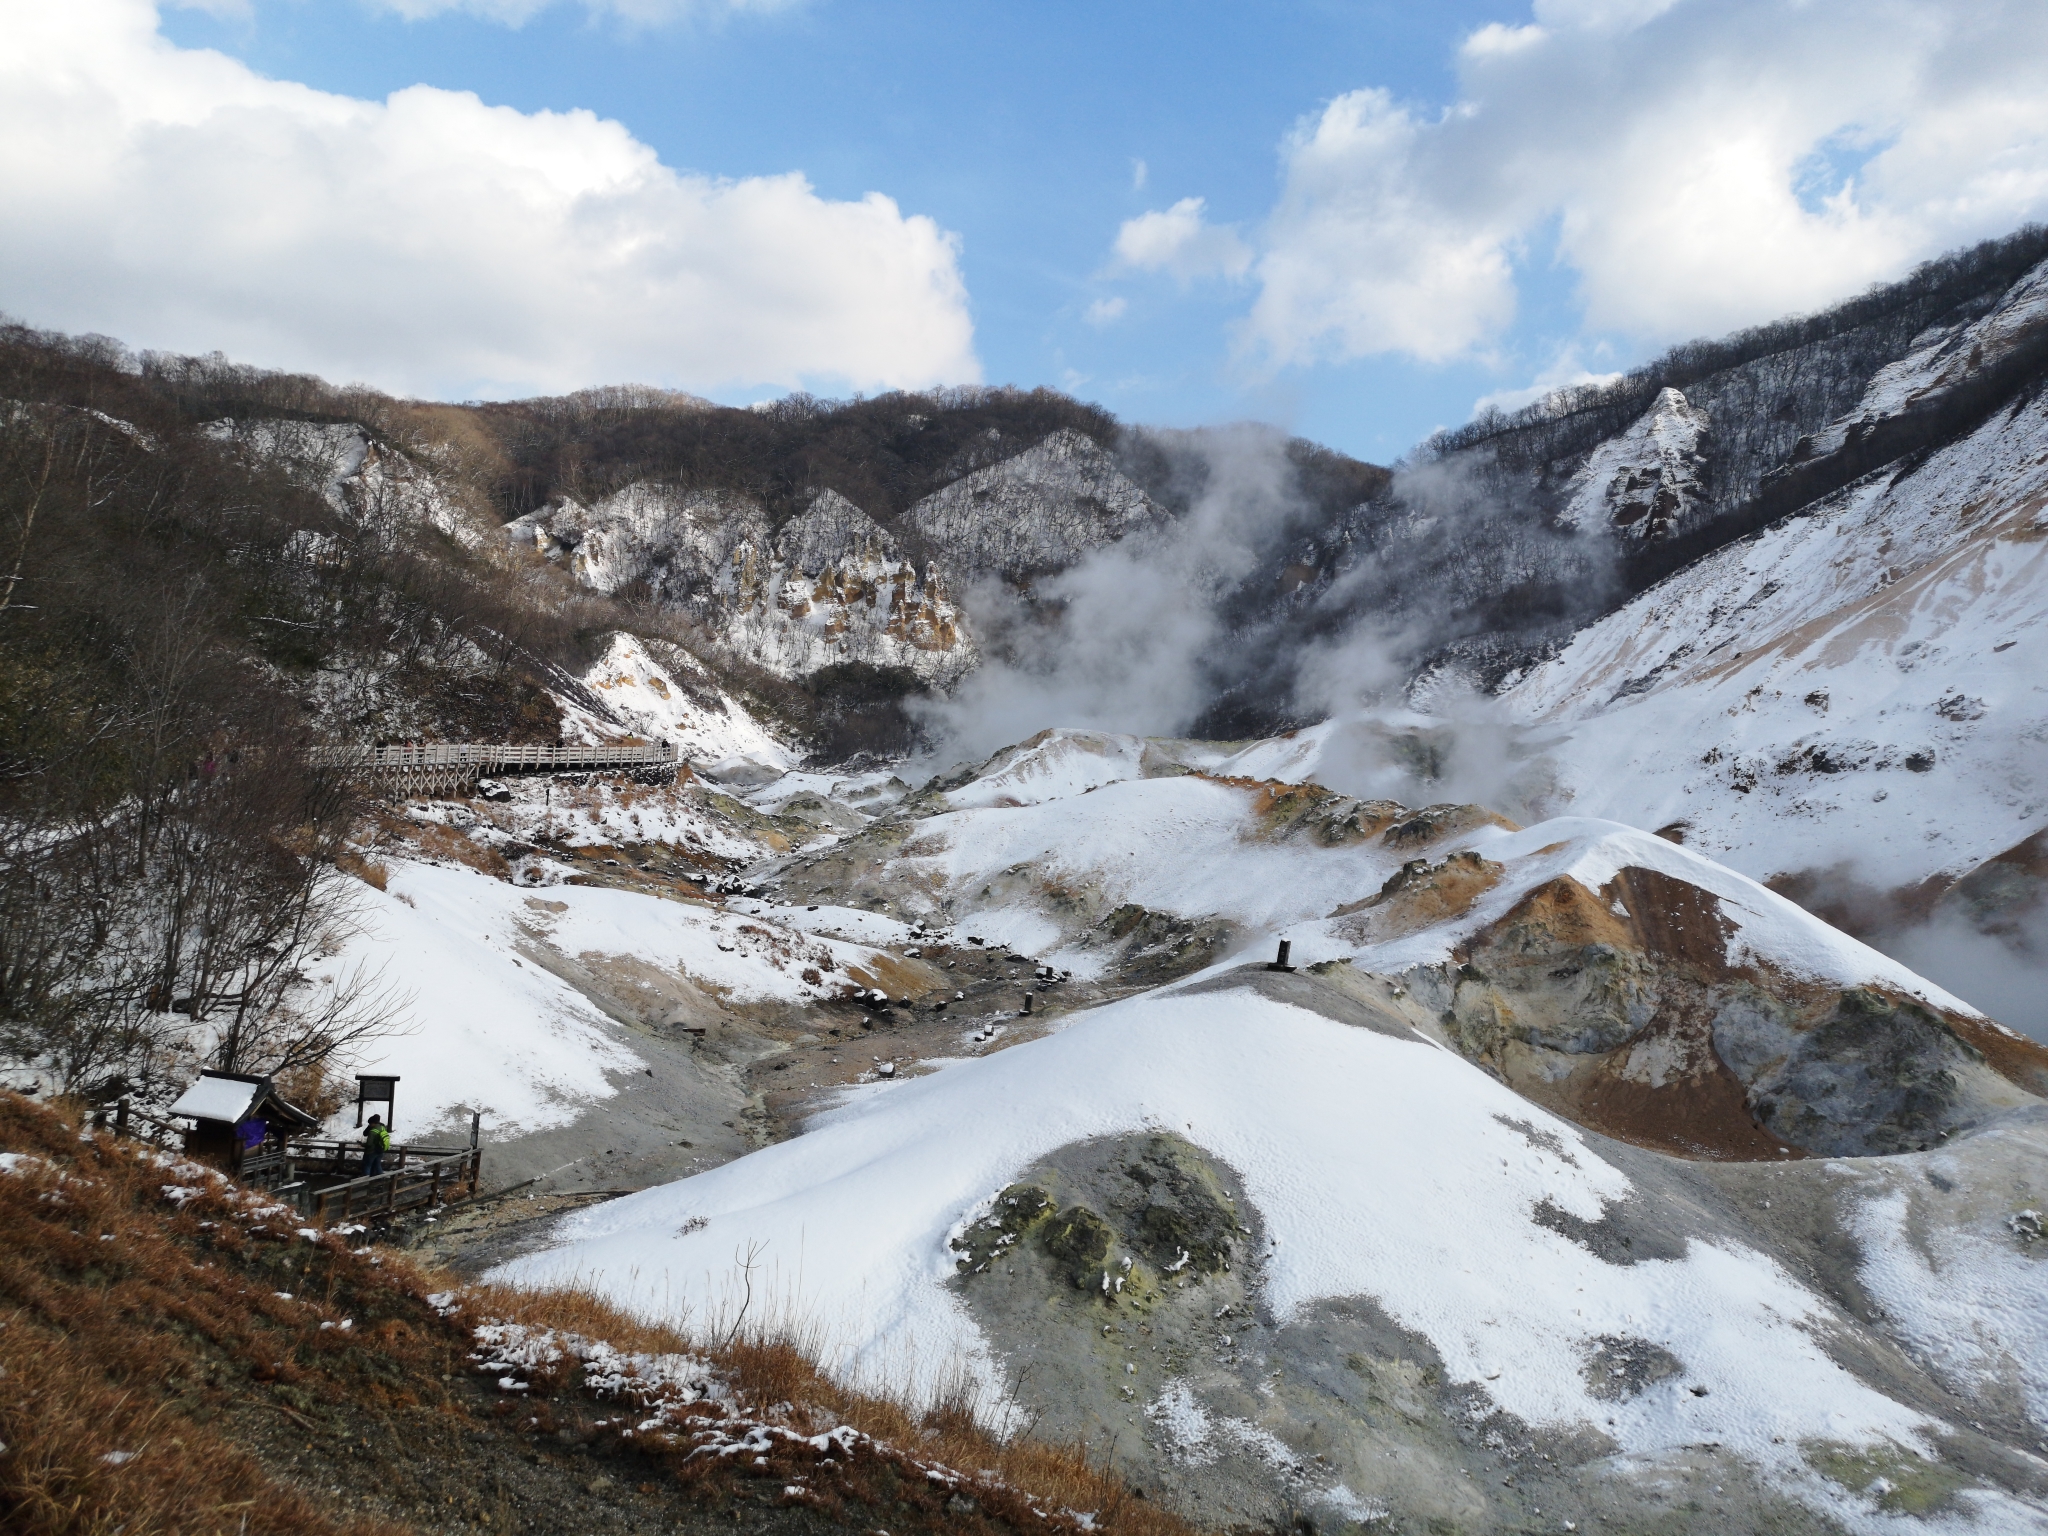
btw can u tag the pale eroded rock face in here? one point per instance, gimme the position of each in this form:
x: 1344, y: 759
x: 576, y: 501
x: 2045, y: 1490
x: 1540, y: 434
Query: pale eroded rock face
x: 1622, y: 1010
x: 366, y: 481
x: 1651, y: 481
x: 830, y: 588
x: 834, y: 586
x: 679, y: 543
x: 1040, y: 511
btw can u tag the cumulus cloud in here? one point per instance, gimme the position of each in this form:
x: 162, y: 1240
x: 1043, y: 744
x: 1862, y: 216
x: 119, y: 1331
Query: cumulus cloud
x: 1700, y: 164
x: 1106, y: 311
x: 1565, y: 371
x: 1182, y: 241
x: 429, y: 242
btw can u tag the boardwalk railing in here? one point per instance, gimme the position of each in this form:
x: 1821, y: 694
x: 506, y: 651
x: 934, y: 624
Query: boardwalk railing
x: 451, y: 765
x: 417, y: 1176
x: 487, y: 756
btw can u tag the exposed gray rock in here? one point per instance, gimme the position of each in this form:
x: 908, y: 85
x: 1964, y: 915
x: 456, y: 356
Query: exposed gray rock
x: 1037, y: 512
x: 1652, y: 480
x: 681, y: 544
x: 830, y: 532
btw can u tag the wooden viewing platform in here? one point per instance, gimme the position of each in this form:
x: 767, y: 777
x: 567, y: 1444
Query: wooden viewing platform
x: 325, y: 1178
x: 446, y: 766
x: 412, y: 1176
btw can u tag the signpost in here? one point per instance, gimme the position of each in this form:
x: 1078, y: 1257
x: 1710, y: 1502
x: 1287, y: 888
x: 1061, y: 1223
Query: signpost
x: 375, y: 1090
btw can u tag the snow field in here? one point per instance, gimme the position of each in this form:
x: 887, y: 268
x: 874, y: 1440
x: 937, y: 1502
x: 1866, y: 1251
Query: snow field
x: 1177, y: 845
x: 1380, y: 1167
x: 1972, y: 1303
x: 481, y: 1032
x: 489, y: 1029
x: 1180, y: 845
x: 1063, y: 764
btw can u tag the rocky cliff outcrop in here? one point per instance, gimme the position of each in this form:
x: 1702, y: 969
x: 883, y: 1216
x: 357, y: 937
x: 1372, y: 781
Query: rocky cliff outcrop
x: 677, y: 546
x: 1635, y: 1010
x: 1040, y: 511
x: 372, y: 483
x: 836, y: 591
x: 1650, y: 482
x: 830, y: 588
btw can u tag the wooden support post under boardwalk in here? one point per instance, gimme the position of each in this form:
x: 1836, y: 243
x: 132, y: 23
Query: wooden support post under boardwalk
x: 1280, y: 960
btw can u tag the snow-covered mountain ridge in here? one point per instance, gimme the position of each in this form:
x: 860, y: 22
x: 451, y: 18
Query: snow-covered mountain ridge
x: 1884, y: 649
x: 1521, y: 1145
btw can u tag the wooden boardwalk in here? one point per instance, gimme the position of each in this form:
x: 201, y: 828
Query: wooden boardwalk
x: 325, y: 1179
x: 445, y: 767
x: 414, y: 1176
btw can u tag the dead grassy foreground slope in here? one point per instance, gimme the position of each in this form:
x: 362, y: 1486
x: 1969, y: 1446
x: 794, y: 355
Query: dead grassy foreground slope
x: 178, y: 1356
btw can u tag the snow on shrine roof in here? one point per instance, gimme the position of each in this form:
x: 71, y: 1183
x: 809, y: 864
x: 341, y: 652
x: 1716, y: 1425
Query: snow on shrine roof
x: 217, y: 1098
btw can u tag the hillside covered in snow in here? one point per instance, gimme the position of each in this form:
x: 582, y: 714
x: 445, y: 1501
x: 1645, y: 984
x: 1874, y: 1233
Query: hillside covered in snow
x: 1496, y: 994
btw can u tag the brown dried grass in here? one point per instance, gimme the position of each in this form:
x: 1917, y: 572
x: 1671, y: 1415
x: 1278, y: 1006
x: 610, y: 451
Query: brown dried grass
x: 371, y: 872
x: 125, y: 1348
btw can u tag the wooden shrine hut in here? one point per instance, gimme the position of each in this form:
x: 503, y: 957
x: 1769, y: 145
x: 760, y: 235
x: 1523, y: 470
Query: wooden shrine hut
x: 239, y: 1122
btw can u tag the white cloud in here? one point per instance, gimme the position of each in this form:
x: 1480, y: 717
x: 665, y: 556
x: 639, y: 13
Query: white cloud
x: 1140, y: 173
x: 1106, y: 311
x: 431, y: 243
x: 1180, y: 240
x: 1702, y: 165
x: 1567, y: 370
x: 1360, y: 257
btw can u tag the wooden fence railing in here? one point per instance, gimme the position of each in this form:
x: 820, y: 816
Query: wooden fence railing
x: 488, y: 756
x: 414, y: 1174
x: 417, y: 1180
x: 453, y: 767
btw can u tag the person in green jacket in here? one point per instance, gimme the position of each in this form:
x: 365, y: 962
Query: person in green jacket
x: 376, y: 1142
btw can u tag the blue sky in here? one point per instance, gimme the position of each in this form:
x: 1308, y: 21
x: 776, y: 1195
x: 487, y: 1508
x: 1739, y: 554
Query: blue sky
x: 1019, y: 127
x: 1405, y: 207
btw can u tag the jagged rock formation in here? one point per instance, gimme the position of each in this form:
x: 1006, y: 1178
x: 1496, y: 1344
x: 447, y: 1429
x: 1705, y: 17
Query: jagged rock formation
x: 373, y: 484
x: 1040, y: 511
x: 832, y: 585
x: 1651, y: 481
x: 830, y: 588
x: 676, y: 546
x: 838, y: 593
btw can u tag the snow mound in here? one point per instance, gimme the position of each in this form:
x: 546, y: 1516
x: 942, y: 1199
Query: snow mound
x: 1762, y: 927
x: 1429, y: 1205
x: 1053, y: 765
x: 491, y: 1028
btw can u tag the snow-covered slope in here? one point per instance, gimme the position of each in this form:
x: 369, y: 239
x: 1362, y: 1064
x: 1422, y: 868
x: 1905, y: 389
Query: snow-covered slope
x: 482, y: 975
x: 671, y: 698
x: 1614, y: 976
x: 1041, y: 510
x: 1756, y: 926
x: 1865, y: 685
x: 1383, y: 1171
